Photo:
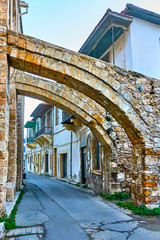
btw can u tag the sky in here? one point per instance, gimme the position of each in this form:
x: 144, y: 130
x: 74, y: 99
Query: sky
x: 68, y: 23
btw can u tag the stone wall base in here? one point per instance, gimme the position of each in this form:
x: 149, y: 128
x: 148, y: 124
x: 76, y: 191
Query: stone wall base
x: 10, y: 191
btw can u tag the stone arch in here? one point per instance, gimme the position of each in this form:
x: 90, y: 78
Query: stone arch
x: 94, y: 78
x: 52, y: 93
x: 91, y: 108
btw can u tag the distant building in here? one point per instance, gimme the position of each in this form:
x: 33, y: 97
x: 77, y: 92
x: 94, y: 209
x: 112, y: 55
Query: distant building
x: 50, y: 147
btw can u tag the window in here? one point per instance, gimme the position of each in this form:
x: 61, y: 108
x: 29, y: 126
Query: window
x: 29, y: 133
x: 37, y: 126
x: 57, y: 116
x: 96, y: 154
x: 49, y: 119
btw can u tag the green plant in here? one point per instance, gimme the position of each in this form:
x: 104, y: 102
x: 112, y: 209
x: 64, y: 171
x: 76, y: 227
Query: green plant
x: 109, y: 130
x: 77, y: 184
x: 47, y: 175
x: 62, y: 180
x: 84, y: 186
x: 108, y: 118
x: 3, y: 217
x: 10, y: 224
x: 117, y: 196
x: 139, y: 210
x: 10, y: 221
x: 101, y: 194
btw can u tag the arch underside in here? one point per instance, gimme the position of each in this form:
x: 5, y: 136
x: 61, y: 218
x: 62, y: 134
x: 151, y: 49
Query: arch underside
x: 67, y: 106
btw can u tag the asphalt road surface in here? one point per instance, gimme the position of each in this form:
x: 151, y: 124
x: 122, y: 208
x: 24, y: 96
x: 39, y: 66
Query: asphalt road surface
x: 68, y: 212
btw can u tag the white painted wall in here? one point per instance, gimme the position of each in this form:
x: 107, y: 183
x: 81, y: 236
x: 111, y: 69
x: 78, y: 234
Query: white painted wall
x: 145, y: 41
x: 122, y: 51
x: 138, y: 49
x: 62, y: 140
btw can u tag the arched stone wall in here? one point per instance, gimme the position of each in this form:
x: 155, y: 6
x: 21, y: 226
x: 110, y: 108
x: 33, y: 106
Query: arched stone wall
x: 94, y: 78
x: 117, y: 161
x: 54, y: 94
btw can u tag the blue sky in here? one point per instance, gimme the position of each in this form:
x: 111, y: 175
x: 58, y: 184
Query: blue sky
x: 68, y: 23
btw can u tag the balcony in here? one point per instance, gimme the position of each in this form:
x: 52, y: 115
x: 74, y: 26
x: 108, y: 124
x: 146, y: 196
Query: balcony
x: 45, y: 130
x: 30, y: 140
x: 31, y: 143
x: 44, y: 136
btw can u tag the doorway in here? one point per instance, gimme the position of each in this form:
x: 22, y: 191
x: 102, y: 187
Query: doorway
x: 46, y: 163
x: 83, y: 165
x: 55, y: 162
x: 64, y: 165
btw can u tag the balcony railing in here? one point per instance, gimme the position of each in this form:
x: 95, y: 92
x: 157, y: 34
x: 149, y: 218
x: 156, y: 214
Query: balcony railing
x: 45, y: 130
x: 65, y: 116
x: 30, y: 140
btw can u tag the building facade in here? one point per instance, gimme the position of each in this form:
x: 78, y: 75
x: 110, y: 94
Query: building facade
x: 130, y: 39
x: 50, y: 147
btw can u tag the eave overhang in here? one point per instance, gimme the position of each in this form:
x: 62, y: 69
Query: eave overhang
x: 40, y: 110
x: 141, y: 13
x: 101, y: 37
x: 30, y: 124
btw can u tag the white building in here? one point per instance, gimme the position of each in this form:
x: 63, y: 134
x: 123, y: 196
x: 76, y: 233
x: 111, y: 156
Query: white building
x: 130, y: 39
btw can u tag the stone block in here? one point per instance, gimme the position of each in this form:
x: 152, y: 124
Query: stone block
x: 49, y: 52
x: 149, y: 184
x: 30, y: 46
x: 14, y: 53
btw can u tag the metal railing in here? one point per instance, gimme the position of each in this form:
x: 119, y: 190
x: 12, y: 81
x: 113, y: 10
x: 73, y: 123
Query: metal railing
x: 65, y: 116
x: 45, y: 130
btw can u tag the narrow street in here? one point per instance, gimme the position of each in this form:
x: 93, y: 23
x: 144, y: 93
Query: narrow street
x: 71, y: 213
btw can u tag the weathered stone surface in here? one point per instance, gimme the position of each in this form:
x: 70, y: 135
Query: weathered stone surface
x: 4, y: 109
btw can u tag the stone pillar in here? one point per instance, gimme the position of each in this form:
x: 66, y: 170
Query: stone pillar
x: 145, y: 187
x: 4, y: 110
x: 151, y: 179
x: 20, y: 146
x: 12, y: 160
x: 136, y: 174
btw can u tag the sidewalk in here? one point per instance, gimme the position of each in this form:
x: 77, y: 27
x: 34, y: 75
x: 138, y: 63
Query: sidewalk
x: 29, y: 218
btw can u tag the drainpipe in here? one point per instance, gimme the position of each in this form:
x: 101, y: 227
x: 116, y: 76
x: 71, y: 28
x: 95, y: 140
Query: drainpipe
x: 113, y: 45
x: 11, y: 14
x: 17, y: 16
x: 71, y: 155
x: 8, y: 16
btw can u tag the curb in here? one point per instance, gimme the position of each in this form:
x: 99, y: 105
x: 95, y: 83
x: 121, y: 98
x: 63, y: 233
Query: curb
x: 2, y: 228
